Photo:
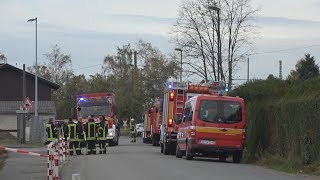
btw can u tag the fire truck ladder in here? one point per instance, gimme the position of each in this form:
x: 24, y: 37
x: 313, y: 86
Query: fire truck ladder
x: 180, y: 102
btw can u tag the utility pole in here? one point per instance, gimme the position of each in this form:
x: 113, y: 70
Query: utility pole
x: 280, y: 69
x: 180, y: 50
x: 248, y: 69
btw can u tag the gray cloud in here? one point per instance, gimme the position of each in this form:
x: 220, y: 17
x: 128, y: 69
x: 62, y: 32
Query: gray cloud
x: 285, y: 21
x: 141, y: 18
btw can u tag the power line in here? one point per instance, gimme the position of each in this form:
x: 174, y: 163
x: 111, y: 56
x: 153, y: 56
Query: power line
x: 86, y: 67
x: 288, y: 49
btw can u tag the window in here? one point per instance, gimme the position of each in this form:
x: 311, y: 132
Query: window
x: 220, y: 111
x: 187, y: 113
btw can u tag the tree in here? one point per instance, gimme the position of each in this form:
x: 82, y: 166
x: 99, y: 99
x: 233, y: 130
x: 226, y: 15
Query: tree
x: 57, y: 69
x: 117, y: 69
x: 196, y: 31
x: 98, y: 83
x: 3, y: 58
x: 137, y: 78
x: 157, y: 69
x: 271, y: 77
x: 306, y: 68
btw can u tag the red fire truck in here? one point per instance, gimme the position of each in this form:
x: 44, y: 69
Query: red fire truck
x: 213, y: 125
x: 146, y: 137
x: 175, y: 95
x: 100, y: 104
x: 156, y: 121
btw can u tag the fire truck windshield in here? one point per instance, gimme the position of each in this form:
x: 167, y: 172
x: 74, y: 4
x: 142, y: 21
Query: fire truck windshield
x: 94, y: 110
x: 220, y: 111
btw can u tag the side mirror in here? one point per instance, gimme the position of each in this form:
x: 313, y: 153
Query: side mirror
x: 177, y: 120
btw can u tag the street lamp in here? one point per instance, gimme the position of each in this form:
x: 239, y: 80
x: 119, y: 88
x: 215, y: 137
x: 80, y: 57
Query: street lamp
x: 36, y: 71
x: 215, y: 8
x: 178, y: 49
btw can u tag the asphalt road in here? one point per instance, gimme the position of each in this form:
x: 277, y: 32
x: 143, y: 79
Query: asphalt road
x: 140, y: 161
x: 24, y: 167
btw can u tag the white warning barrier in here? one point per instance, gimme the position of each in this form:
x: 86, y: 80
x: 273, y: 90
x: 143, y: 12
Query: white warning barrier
x: 56, y: 151
x: 20, y: 151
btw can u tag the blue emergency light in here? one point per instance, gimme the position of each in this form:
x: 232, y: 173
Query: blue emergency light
x: 82, y: 99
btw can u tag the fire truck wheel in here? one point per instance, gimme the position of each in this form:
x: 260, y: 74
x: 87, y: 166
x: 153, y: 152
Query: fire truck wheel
x: 173, y: 150
x: 237, y: 157
x: 161, y: 147
x: 188, y: 153
x: 178, y: 152
x: 222, y: 157
x: 165, y: 149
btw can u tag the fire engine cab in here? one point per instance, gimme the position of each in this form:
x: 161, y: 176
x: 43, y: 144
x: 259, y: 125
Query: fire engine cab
x: 175, y: 95
x: 212, y: 125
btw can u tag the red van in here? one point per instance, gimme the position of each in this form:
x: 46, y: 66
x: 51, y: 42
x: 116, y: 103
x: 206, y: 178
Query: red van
x: 212, y: 126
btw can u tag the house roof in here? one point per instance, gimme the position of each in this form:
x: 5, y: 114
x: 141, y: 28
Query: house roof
x: 10, y: 107
x: 45, y: 81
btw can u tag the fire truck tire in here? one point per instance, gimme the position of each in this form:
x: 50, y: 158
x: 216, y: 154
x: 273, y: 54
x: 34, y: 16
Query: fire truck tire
x: 237, y: 157
x: 222, y: 157
x: 178, y: 152
x: 161, y: 147
x: 173, y: 150
x: 165, y: 149
x: 189, y: 156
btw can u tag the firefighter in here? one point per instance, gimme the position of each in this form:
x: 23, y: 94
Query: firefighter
x: 72, y: 135
x: 133, y: 131
x: 64, y: 131
x: 81, y: 135
x: 90, y: 130
x: 51, y: 131
x: 102, y: 135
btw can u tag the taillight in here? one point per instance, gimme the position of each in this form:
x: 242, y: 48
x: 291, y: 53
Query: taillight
x: 171, y: 96
x: 193, y: 132
x: 170, y: 123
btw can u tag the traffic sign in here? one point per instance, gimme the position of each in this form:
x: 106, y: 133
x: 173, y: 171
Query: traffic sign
x: 27, y: 104
x: 21, y: 111
x: 125, y: 123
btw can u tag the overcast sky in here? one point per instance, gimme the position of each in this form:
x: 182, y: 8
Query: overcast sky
x: 89, y: 30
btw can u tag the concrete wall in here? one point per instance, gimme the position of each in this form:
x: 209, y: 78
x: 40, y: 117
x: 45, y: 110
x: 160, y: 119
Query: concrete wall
x: 9, y: 122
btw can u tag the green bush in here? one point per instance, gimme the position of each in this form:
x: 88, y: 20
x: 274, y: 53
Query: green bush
x: 283, y: 119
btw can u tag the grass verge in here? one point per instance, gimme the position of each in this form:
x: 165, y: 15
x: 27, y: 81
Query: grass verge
x: 294, y: 166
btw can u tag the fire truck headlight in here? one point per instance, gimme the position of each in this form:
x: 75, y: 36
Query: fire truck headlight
x: 110, y: 133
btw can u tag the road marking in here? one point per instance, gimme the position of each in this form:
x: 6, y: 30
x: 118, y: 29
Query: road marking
x: 75, y: 176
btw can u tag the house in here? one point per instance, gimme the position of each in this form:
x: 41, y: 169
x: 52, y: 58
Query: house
x: 11, y: 96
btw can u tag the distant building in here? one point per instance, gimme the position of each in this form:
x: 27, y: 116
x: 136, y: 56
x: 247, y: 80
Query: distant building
x: 11, y: 96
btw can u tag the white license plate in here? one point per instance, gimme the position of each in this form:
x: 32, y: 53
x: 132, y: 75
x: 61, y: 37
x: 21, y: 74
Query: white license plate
x: 207, y: 142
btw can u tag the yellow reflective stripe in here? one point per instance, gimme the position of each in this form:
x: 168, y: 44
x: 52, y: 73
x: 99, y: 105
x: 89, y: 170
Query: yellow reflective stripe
x: 218, y: 130
x: 74, y: 132
x: 94, y: 127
